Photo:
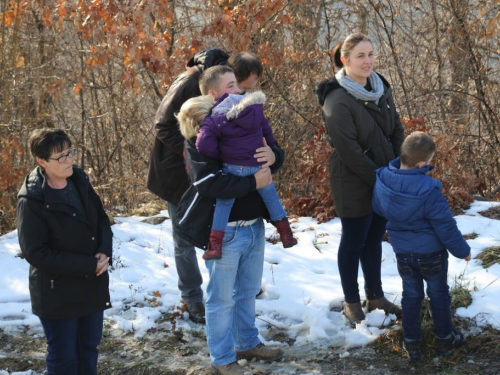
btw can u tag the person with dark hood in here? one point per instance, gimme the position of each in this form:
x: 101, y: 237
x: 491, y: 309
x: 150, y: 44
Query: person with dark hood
x: 167, y: 177
x: 364, y: 128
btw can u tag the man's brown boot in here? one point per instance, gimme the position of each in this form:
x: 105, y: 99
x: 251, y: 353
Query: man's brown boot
x: 229, y: 369
x: 354, y: 313
x: 261, y: 352
x: 383, y: 304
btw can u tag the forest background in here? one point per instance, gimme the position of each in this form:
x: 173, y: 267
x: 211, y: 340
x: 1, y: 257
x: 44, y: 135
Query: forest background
x: 99, y: 69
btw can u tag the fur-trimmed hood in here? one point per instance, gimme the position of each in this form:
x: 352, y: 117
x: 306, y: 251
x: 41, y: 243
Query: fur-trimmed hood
x: 256, y: 97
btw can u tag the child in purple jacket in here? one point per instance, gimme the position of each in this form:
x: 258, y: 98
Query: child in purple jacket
x: 232, y: 132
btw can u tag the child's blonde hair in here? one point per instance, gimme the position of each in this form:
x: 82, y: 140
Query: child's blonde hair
x: 192, y: 113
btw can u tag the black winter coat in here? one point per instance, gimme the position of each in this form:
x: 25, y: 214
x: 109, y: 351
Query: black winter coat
x: 167, y: 177
x: 60, y: 245
x: 366, y: 136
x: 196, y: 209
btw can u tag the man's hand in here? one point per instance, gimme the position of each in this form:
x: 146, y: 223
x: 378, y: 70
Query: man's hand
x: 263, y: 177
x: 265, y: 155
x: 467, y: 258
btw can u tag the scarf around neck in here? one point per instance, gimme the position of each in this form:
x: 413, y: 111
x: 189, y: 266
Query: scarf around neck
x: 358, y: 91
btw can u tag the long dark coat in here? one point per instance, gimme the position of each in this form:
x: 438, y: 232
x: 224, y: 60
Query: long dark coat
x: 167, y: 177
x: 366, y: 136
x: 60, y: 244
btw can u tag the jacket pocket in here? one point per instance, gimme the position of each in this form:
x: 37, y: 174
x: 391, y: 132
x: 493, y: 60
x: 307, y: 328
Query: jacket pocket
x: 59, y: 291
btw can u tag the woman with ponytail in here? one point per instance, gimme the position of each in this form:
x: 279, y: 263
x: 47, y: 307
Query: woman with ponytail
x: 366, y: 132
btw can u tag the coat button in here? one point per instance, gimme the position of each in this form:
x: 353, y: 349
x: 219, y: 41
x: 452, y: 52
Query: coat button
x: 107, y: 303
x: 366, y: 103
x: 47, y: 206
x: 74, y: 214
x: 93, y: 238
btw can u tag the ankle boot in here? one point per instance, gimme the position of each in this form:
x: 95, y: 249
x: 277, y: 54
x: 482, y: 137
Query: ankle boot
x: 383, y: 304
x: 286, y: 235
x: 214, y: 245
x: 354, y: 313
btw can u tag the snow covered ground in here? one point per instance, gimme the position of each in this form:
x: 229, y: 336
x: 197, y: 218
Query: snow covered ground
x: 302, y: 286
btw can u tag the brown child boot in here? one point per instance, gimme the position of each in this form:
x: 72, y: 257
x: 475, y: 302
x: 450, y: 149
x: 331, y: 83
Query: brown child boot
x: 214, y: 245
x: 285, y: 232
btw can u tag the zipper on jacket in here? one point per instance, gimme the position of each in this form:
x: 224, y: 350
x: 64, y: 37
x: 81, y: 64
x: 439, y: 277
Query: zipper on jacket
x: 51, y: 284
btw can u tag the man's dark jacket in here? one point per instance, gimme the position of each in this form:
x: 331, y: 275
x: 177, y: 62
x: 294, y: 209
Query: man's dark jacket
x: 60, y: 244
x: 366, y: 136
x: 196, y: 209
x: 167, y: 177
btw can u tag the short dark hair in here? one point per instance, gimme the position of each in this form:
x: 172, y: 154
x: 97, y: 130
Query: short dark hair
x: 44, y: 142
x: 210, y: 78
x: 417, y: 147
x: 244, y: 65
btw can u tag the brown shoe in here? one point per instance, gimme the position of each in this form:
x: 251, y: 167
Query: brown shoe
x: 261, y: 352
x: 354, y: 313
x: 383, y: 304
x: 196, y: 311
x: 229, y: 369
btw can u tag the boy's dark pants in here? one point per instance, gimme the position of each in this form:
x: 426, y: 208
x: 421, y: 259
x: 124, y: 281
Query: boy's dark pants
x: 433, y: 268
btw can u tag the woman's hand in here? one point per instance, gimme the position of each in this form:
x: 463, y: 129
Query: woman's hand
x: 265, y: 155
x: 102, y: 263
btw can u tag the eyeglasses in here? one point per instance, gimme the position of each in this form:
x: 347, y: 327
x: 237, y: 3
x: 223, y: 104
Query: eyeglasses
x: 61, y: 159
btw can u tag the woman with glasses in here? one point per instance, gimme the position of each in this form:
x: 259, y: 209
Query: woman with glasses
x: 66, y: 238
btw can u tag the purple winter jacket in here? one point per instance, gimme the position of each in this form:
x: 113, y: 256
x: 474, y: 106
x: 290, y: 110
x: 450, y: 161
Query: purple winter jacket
x: 235, y: 135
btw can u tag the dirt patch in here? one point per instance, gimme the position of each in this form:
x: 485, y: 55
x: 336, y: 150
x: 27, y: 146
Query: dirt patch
x: 167, y: 352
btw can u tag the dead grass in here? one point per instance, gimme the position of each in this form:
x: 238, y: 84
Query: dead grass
x: 492, y: 213
x: 489, y: 256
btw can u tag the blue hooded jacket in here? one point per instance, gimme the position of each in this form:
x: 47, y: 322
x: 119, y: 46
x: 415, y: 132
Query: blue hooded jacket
x: 419, y: 218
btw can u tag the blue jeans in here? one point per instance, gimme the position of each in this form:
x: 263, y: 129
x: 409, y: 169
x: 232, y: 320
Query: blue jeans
x: 433, y: 268
x: 268, y: 194
x: 188, y: 271
x: 361, y: 241
x: 72, y: 344
x: 234, y: 281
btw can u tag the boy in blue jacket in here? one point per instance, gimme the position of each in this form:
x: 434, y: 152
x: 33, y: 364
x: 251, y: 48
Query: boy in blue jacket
x: 421, y: 229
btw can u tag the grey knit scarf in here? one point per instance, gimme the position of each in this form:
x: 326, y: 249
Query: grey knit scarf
x: 358, y: 91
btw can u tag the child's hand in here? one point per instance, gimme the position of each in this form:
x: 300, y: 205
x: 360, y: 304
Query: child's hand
x: 265, y: 154
x: 467, y: 258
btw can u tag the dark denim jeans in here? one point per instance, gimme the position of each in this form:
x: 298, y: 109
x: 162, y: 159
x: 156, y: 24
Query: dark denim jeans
x: 361, y: 242
x: 72, y: 344
x: 432, y: 268
x: 188, y: 271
